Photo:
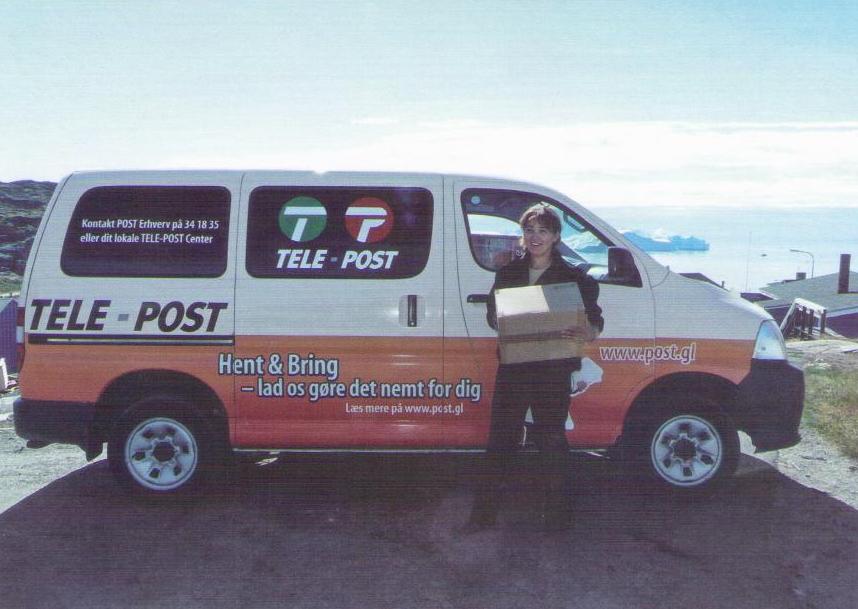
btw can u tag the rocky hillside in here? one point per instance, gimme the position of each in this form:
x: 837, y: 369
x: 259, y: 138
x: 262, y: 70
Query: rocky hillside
x: 21, y: 206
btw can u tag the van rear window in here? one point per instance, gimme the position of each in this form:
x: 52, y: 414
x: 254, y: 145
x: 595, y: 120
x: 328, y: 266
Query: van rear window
x: 360, y: 233
x: 148, y: 231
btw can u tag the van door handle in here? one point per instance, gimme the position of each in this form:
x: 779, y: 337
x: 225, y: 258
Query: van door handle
x: 478, y: 298
x: 412, y: 310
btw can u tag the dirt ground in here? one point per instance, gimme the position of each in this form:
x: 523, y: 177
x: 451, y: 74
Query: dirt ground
x: 378, y: 531
x: 830, y: 352
x: 815, y: 462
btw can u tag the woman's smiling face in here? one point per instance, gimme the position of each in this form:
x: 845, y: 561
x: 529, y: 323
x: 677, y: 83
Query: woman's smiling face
x: 538, y: 239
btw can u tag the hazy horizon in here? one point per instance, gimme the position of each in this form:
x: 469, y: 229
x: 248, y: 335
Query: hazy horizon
x: 612, y: 103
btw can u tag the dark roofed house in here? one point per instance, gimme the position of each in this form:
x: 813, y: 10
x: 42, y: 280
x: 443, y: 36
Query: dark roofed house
x: 842, y: 315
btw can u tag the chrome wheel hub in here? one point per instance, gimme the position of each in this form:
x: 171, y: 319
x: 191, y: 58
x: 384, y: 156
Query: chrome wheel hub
x: 161, y: 454
x: 687, y: 451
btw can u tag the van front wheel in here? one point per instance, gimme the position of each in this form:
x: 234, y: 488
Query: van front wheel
x: 688, y: 451
x: 158, y: 446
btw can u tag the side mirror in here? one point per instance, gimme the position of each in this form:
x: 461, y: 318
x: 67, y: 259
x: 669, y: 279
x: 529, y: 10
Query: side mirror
x: 621, y: 268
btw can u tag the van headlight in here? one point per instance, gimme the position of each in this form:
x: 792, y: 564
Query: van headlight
x: 770, y: 342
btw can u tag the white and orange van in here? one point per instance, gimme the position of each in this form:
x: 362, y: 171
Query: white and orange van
x: 184, y: 316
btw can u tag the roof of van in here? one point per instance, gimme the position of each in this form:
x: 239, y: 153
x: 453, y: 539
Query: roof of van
x: 131, y: 173
x: 128, y: 173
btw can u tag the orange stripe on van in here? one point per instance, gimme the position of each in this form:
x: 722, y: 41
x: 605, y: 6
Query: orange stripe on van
x: 619, y: 370
x: 88, y: 370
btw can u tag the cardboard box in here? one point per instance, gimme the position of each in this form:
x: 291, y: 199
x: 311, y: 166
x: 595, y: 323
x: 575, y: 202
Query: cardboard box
x: 530, y: 320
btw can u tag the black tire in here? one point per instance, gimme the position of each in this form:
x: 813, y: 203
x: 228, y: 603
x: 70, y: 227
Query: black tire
x: 688, y: 450
x: 159, y: 446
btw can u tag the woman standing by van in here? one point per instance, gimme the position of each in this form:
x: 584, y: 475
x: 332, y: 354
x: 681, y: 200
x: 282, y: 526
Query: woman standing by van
x: 542, y: 386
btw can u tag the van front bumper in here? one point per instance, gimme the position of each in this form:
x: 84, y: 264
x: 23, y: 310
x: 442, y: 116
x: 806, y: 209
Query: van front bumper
x: 769, y: 404
x: 44, y: 422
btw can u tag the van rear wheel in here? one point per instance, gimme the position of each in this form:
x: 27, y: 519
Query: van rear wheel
x: 690, y: 450
x: 159, y: 446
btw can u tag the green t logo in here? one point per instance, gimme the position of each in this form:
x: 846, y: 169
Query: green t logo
x: 303, y: 218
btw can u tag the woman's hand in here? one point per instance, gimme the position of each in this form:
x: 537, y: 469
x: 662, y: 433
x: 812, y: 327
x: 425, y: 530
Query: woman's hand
x: 585, y: 333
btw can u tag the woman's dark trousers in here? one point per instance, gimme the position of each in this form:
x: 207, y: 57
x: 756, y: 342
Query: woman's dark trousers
x: 544, y: 387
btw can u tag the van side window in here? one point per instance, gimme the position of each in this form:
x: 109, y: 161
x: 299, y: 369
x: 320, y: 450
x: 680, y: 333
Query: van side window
x: 148, y: 231
x: 491, y: 217
x: 335, y: 232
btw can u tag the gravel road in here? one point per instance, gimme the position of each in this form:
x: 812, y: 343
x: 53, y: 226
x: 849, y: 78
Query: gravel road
x: 380, y: 532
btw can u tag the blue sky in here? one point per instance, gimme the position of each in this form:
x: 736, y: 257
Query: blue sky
x: 615, y: 103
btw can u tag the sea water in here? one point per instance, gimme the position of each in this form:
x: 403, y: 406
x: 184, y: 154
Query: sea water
x: 749, y: 247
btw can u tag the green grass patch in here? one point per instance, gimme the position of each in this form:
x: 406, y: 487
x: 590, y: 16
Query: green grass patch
x: 831, y: 406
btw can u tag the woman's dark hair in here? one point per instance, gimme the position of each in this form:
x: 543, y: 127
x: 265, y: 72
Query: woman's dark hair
x: 543, y: 214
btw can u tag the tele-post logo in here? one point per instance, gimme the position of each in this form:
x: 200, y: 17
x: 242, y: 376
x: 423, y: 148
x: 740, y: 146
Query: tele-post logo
x: 369, y: 220
x: 303, y: 219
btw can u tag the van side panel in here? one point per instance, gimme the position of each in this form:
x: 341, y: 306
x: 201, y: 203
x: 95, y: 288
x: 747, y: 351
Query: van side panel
x: 598, y: 408
x: 353, y: 397
x: 606, y: 386
x: 87, y: 324
x: 81, y: 373
x: 725, y: 358
x: 703, y: 328
x: 340, y: 308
